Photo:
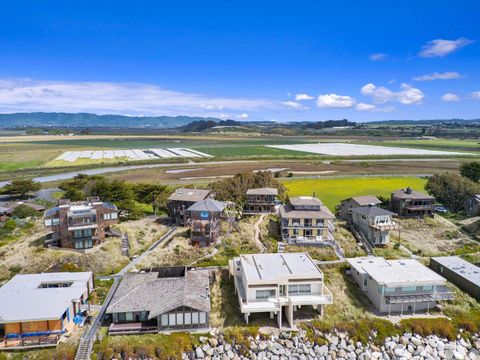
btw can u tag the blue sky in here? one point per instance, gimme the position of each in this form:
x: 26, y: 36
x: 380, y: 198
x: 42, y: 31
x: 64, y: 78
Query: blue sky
x: 254, y: 60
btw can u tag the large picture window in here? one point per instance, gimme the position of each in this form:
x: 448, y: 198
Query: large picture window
x: 299, y: 289
x: 264, y: 294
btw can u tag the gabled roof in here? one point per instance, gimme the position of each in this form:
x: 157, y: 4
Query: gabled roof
x: 372, y: 211
x: 365, y: 200
x: 411, y: 194
x: 192, y: 195
x: 209, y: 205
x: 157, y: 295
x: 262, y: 191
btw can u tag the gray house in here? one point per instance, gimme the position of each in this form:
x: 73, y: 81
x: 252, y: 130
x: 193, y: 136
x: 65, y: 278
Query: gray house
x: 399, y: 286
x: 460, y: 272
x: 374, y: 223
x: 164, y: 299
x: 472, y: 206
x: 346, y: 206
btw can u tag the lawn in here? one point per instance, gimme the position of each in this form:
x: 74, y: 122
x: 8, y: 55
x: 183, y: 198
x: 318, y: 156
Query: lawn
x: 332, y: 191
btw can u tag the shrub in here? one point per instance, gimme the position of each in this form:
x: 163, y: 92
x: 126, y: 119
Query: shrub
x: 24, y: 211
x: 10, y: 225
x: 424, y: 327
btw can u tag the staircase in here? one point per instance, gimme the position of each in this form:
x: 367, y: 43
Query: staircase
x: 362, y: 239
x: 125, y: 245
x: 84, y: 349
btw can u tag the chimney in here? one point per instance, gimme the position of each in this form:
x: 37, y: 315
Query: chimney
x: 313, y: 194
x: 408, y: 190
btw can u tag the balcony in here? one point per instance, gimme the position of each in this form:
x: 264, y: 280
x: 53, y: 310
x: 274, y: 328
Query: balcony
x: 420, y: 207
x: 385, y: 226
x: 442, y: 293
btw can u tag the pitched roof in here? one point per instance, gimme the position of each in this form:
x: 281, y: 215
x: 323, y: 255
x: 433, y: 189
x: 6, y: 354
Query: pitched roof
x: 366, y: 200
x: 192, y: 195
x: 262, y: 191
x: 305, y: 201
x: 209, y: 205
x: 372, y: 211
x: 287, y: 211
x: 157, y: 295
x: 411, y: 194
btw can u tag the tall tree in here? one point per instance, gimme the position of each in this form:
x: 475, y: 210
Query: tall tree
x: 471, y: 170
x: 21, y: 187
x: 452, y: 189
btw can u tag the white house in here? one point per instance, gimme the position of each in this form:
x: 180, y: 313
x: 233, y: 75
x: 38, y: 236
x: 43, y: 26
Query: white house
x: 399, y: 286
x: 270, y: 282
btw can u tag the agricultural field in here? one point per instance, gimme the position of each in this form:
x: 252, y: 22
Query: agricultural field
x: 332, y: 191
x: 434, y: 144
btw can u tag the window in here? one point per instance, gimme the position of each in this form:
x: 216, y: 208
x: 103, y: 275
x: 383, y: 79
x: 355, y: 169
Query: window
x: 164, y: 319
x: 88, y: 243
x: 79, y: 244
x: 106, y: 216
x: 171, y: 319
x: 195, y: 318
x: 299, y: 289
x: 143, y: 316
x: 129, y: 316
x: 48, y: 222
x: 389, y: 290
x: 55, y: 221
x: 114, y: 216
x: 121, y: 317
x: 180, y: 319
x: 203, y: 318
x: 427, y: 288
x: 365, y: 282
x: 264, y: 294
x: 409, y: 288
x: 188, y: 318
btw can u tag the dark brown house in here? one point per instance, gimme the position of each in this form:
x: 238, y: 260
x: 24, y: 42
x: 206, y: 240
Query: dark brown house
x: 261, y: 201
x: 181, y: 200
x: 410, y: 203
x: 204, y: 221
x: 79, y: 225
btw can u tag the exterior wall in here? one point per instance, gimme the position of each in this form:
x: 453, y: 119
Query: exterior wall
x: 204, y: 227
x: 177, y: 211
x: 295, y: 228
x: 461, y: 282
x: 472, y: 207
x: 345, y: 207
x: 130, y: 317
x: 374, y: 236
x: 399, y: 206
x: 260, y: 204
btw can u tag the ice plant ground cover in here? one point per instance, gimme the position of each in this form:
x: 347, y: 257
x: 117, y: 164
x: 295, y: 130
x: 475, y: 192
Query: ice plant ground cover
x: 343, y: 149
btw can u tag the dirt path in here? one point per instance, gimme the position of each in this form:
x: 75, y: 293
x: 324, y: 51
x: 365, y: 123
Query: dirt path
x: 256, y: 226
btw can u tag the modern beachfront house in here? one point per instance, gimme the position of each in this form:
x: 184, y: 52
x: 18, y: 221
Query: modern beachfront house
x: 261, y: 201
x: 163, y: 299
x: 346, y: 206
x: 305, y: 220
x: 181, y: 200
x: 204, y: 221
x: 458, y: 271
x: 399, y: 286
x: 410, y: 203
x: 79, y: 225
x: 37, y: 309
x: 374, y: 223
x: 274, y: 283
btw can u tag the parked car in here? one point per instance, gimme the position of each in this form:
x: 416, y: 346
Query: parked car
x: 440, y: 209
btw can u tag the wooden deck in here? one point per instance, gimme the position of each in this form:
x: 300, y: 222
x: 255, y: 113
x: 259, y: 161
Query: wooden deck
x: 132, y: 328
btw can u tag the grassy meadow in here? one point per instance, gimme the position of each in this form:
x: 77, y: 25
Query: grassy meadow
x: 332, y: 191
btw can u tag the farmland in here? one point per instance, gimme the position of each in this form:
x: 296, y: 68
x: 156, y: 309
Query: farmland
x: 332, y: 191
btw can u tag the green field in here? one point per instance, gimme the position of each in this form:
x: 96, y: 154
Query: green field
x: 332, y: 191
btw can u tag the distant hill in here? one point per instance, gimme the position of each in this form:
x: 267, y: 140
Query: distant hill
x: 202, y: 125
x: 81, y: 120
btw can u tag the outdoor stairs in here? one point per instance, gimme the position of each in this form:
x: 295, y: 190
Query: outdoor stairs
x: 281, y: 247
x: 233, y: 223
x: 125, y: 245
x: 362, y: 239
x: 84, y: 349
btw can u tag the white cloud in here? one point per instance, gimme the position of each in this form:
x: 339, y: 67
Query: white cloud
x: 243, y: 116
x: 407, y: 94
x: 441, y: 47
x: 24, y: 95
x: 373, y: 108
x: 300, y: 97
x: 294, y: 105
x: 365, y: 107
x: 335, y: 101
x: 475, y: 95
x: 450, y: 97
x: 378, y: 57
x: 439, y: 76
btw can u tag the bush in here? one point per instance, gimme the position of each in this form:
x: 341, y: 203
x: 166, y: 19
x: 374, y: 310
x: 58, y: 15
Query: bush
x: 10, y: 225
x: 424, y: 327
x: 24, y: 211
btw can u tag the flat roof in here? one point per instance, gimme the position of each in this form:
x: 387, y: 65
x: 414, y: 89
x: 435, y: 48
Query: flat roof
x: 396, y: 272
x: 273, y: 267
x: 22, y: 298
x: 461, y: 267
x: 287, y: 211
